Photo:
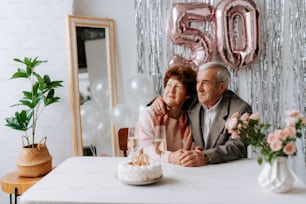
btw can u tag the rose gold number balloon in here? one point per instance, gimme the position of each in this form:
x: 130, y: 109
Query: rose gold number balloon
x: 181, y: 33
x: 237, y: 32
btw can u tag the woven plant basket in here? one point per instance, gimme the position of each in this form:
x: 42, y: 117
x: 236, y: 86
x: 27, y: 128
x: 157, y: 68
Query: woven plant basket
x: 34, y: 161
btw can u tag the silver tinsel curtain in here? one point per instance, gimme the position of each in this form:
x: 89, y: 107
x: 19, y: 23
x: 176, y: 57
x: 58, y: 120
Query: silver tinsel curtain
x: 274, y: 83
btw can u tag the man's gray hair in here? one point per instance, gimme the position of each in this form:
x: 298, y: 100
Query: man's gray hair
x: 223, y: 74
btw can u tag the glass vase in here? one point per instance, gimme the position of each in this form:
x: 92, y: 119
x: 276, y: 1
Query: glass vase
x: 276, y: 177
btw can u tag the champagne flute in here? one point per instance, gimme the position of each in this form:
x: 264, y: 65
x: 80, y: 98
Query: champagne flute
x: 133, y: 142
x: 160, y: 143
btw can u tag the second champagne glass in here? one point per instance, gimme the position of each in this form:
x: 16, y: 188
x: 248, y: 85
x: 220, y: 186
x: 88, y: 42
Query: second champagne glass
x: 133, y: 143
x: 160, y: 142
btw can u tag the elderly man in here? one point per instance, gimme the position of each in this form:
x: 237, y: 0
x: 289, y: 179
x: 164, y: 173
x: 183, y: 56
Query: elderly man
x: 207, y: 116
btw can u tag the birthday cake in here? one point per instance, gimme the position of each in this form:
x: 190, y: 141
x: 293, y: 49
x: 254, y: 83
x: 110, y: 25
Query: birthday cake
x: 139, y: 169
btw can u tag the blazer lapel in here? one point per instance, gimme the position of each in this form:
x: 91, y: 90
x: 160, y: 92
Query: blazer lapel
x: 218, y: 124
x: 195, y: 122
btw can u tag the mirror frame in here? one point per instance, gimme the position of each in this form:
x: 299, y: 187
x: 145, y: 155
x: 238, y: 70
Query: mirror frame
x: 73, y: 21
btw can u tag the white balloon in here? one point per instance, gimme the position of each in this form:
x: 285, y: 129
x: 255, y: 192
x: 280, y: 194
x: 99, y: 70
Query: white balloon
x: 105, y: 110
x: 140, y: 107
x: 100, y: 91
x: 88, y: 137
x: 137, y: 107
x: 89, y: 113
x: 121, y: 115
x: 141, y: 87
x: 103, y: 127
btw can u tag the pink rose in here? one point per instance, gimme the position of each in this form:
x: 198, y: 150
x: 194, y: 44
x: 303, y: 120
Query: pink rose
x: 235, y: 115
x: 245, y: 117
x: 290, y: 131
x: 271, y: 138
x: 276, y: 145
x: 290, y: 148
x: 255, y: 116
x: 234, y: 134
x: 293, y: 113
x: 242, y: 125
x: 232, y: 123
x: 293, y: 117
x: 303, y: 119
x: 291, y: 121
x: 281, y: 134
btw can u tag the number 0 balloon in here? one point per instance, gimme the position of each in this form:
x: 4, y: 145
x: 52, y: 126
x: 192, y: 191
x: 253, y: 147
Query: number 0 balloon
x: 237, y: 32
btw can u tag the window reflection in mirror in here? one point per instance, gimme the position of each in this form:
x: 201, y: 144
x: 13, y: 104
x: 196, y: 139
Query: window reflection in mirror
x: 93, y: 85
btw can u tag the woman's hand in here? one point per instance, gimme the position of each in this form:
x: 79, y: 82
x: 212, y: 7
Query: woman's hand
x: 193, y: 158
x: 174, y: 157
x: 197, y: 148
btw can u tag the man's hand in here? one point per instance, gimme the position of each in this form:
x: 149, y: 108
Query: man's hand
x: 158, y: 106
x: 193, y: 158
x: 197, y: 148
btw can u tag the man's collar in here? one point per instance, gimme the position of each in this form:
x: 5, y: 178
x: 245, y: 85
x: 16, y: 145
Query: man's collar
x: 214, y: 107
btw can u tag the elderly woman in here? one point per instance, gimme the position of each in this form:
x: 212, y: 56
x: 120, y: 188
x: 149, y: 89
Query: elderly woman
x: 179, y: 86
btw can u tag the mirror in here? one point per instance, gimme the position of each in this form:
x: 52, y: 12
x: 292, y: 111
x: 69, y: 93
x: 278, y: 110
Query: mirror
x: 93, y: 85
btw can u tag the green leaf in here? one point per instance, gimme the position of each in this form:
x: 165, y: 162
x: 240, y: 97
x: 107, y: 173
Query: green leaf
x: 30, y: 63
x: 23, y: 116
x: 55, y: 84
x: 38, y: 77
x: 259, y: 160
x: 18, y: 60
x: 35, y: 88
x: 20, y: 74
x: 27, y: 95
x: 20, y: 121
x: 49, y: 101
x: 27, y: 103
x: 50, y: 94
x: 47, y: 79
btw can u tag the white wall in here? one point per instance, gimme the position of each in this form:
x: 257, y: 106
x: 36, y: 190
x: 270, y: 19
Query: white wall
x: 38, y: 28
x: 34, y: 28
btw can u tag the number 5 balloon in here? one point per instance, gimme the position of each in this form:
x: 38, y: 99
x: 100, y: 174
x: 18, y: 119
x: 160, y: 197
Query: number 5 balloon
x: 181, y: 33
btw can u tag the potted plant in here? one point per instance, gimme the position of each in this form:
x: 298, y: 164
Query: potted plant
x: 34, y: 159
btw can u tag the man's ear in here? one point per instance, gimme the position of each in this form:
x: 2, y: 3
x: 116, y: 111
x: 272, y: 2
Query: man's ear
x: 223, y: 87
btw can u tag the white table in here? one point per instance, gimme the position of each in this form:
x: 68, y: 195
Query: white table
x: 93, y: 180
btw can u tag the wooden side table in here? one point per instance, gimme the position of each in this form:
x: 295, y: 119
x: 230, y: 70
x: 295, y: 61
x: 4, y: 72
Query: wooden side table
x: 13, y: 184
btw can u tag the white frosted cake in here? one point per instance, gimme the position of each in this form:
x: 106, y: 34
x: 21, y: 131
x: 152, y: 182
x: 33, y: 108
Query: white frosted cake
x: 127, y: 171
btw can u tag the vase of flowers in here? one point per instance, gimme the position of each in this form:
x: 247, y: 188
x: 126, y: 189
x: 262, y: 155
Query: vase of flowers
x: 273, y: 149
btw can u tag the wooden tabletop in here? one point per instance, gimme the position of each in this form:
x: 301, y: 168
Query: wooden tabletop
x: 11, y: 181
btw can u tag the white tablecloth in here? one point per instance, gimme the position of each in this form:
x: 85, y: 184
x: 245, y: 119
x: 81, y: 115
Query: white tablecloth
x: 93, y: 180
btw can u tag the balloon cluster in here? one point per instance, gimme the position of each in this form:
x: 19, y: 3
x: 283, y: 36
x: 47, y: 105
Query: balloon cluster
x: 140, y: 92
x: 236, y: 32
x: 94, y: 114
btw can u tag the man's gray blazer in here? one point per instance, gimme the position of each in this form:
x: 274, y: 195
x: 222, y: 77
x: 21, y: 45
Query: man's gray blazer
x: 219, y: 146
